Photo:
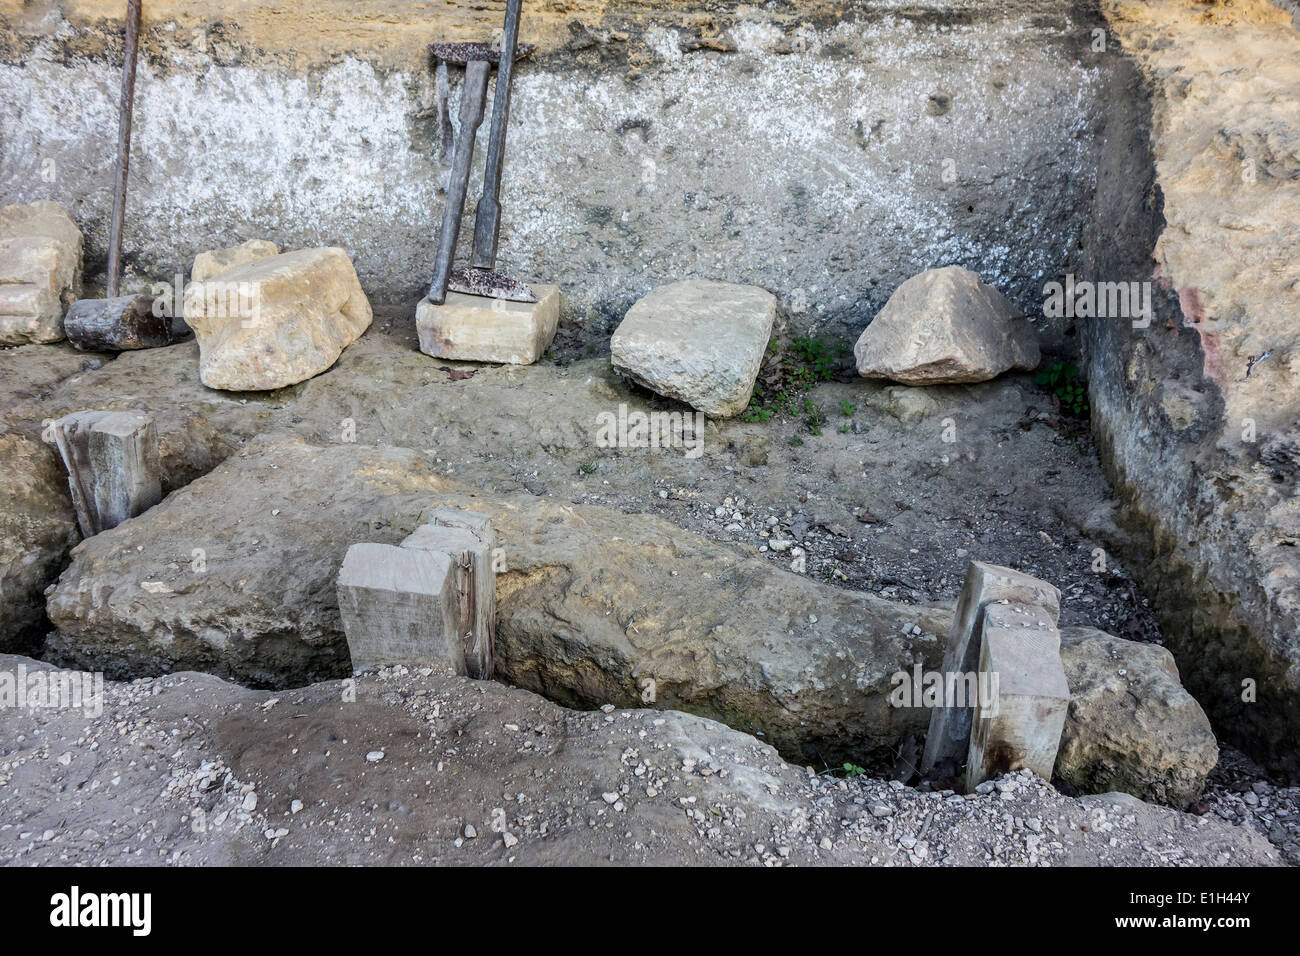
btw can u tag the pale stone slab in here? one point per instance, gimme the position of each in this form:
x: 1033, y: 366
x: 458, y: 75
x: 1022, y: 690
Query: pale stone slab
x: 946, y: 326
x: 1021, y: 725
x: 213, y: 262
x: 40, y: 271
x: 473, y: 328
x: 399, y: 606
x: 277, y: 320
x: 113, y: 466
x: 466, y: 537
x: 697, y: 341
x: 986, y: 584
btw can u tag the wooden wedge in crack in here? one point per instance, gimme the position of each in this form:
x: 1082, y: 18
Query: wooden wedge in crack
x: 432, y: 599
x: 946, y: 744
x: 113, y: 466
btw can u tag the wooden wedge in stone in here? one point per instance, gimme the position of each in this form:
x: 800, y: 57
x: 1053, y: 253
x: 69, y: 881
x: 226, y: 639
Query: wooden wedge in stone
x: 946, y: 743
x: 113, y: 466
x: 1019, y: 719
x: 400, y: 606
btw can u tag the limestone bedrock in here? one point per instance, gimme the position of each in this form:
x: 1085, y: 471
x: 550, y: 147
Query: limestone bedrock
x: 697, y: 341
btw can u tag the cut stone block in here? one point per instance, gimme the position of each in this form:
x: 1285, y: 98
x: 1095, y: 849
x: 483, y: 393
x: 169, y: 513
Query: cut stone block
x: 40, y: 271
x: 119, y: 324
x: 113, y: 467
x: 399, y: 606
x: 208, y: 265
x: 697, y: 341
x: 277, y: 320
x: 472, y: 328
x: 949, y: 734
x: 1020, y: 725
x: 467, y: 538
x: 946, y: 326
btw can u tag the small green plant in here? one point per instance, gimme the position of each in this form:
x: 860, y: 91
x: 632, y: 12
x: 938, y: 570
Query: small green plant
x: 588, y: 467
x: 788, y: 372
x: 845, y: 428
x: 847, y: 408
x: 1062, y: 380
x: 853, y: 770
x: 795, y: 441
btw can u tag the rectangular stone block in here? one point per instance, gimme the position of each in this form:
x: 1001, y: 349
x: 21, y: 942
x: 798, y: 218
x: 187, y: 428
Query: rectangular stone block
x: 466, y: 537
x: 946, y: 743
x: 471, y: 328
x: 399, y: 606
x: 1020, y: 726
x: 113, y: 468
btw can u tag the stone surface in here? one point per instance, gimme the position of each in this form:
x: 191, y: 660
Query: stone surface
x: 292, y: 316
x: 119, y: 324
x: 112, y: 464
x: 213, y: 262
x: 400, y: 606
x: 945, y: 326
x: 471, y: 328
x: 589, y: 608
x: 854, y: 196
x: 37, y: 527
x: 40, y: 271
x: 1132, y: 726
x: 687, y: 790
x: 697, y: 341
x: 1020, y: 726
x: 1201, y: 438
x: 946, y: 743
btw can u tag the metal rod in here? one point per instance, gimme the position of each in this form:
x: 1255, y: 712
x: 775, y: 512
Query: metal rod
x: 471, y: 115
x: 487, y: 220
x: 123, y: 147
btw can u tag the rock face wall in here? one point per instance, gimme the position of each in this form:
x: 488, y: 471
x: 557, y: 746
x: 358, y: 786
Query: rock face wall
x: 825, y: 152
x: 1197, y: 415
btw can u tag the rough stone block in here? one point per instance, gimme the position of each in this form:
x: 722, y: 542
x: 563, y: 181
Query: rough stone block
x: 113, y: 467
x: 212, y: 263
x: 472, y: 328
x: 696, y: 341
x: 277, y: 320
x: 945, y: 326
x: 946, y: 742
x: 466, y: 537
x: 399, y: 606
x: 40, y: 271
x: 1020, y: 725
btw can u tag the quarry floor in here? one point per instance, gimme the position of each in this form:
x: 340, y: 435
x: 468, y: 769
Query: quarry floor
x: 880, y: 500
